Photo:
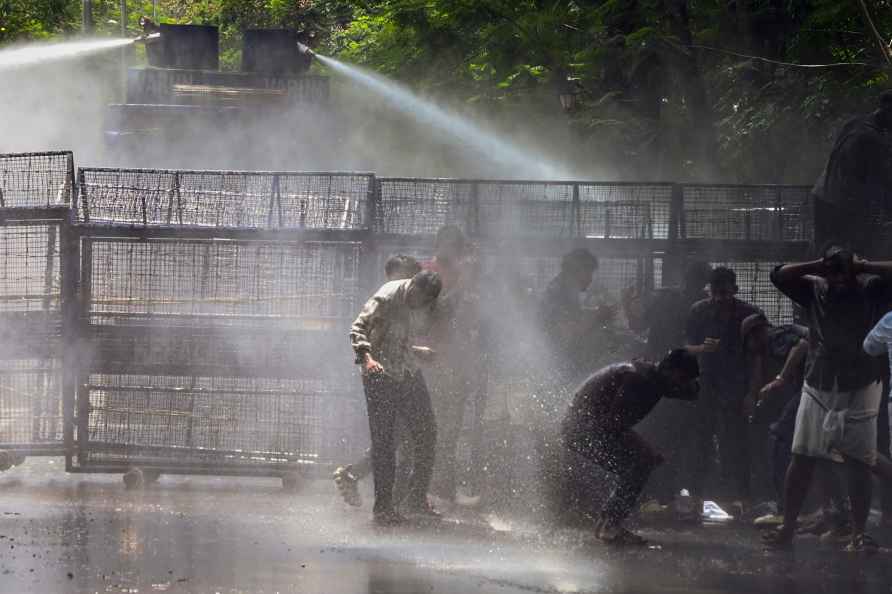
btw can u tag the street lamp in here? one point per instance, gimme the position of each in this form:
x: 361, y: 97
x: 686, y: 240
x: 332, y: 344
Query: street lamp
x: 568, y: 93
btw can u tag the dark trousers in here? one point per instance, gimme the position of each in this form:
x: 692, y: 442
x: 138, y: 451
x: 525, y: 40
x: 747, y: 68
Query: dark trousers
x: 450, y: 390
x: 363, y: 467
x: 387, y: 399
x: 627, y: 456
x: 663, y: 428
x: 725, y: 424
x: 780, y: 460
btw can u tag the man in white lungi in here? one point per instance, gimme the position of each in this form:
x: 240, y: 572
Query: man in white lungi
x: 843, y: 297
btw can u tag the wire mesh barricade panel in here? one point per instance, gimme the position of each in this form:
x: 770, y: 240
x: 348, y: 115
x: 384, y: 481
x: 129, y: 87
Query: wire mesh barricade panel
x: 625, y: 211
x: 422, y: 206
x: 223, y: 282
x: 214, y: 422
x: 30, y: 337
x: 249, y: 336
x: 757, y: 213
x: 36, y: 179
x: 30, y: 404
x: 523, y: 209
x: 255, y: 200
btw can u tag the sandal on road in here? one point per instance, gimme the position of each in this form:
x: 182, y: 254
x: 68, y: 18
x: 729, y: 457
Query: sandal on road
x: 777, y: 539
x: 348, y: 486
x: 863, y: 544
x: 619, y: 536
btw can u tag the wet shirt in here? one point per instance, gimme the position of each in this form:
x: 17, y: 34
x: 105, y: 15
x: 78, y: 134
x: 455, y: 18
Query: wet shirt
x: 454, y: 329
x: 614, y: 399
x: 724, y: 371
x: 384, y: 327
x: 560, y: 304
x: 781, y: 340
x: 838, y: 324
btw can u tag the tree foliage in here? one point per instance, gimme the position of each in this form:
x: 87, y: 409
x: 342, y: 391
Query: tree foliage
x: 705, y: 89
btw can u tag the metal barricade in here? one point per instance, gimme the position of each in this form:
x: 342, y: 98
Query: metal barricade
x: 215, y: 308
x: 35, y: 193
x: 203, y: 314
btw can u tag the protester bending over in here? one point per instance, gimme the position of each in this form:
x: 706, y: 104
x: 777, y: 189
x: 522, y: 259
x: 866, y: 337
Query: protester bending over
x: 395, y: 388
x: 398, y: 267
x: 599, y: 427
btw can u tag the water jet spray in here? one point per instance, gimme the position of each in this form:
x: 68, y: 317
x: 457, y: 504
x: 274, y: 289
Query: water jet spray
x: 487, y: 142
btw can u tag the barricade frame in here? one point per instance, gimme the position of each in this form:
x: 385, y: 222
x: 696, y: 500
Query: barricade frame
x: 41, y: 187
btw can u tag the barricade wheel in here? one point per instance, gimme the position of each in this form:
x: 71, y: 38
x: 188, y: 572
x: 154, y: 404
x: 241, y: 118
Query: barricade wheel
x: 151, y: 476
x: 18, y: 459
x: 292, y: 481
x: 134, y: 479
x: 7, y: 459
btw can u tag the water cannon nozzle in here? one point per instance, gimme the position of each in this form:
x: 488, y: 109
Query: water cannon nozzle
x: 150, y: 30
x: 305, y: 50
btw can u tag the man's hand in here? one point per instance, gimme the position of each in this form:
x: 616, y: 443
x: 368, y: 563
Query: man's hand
x: 771, y: 387
x: 371, y: 366
x: 858, y: 263
x: 424, y: 353
x: 710, y: 345
x: 605, y: 314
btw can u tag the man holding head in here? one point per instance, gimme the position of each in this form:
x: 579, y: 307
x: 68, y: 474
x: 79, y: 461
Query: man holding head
x: 843, y: 297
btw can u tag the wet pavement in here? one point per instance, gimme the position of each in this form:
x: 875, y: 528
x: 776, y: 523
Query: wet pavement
x: 86, y: 533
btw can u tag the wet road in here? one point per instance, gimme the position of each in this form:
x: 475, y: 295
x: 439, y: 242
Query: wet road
x: 85, y: 533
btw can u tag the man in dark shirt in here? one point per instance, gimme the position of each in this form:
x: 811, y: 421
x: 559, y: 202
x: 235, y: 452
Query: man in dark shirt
x: 843, y: 297
x: 713, y: 334
x: 663, y: 315
x: 569, y: 330
x: 599, y: 427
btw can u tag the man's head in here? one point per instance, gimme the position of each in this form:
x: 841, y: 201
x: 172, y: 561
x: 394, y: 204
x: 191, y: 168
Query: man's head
x: 696, y: 275
x: 722, y: 284
x: 839, y: 267
x: 680, y: 370
x: 424, y: 289
x: 400, y: 267
x: 883, y: 114
x: 579, y: 266
x: 450, y: 243
x: 754, y: 333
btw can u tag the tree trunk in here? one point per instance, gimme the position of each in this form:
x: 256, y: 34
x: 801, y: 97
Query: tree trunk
x: 693, y: 87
